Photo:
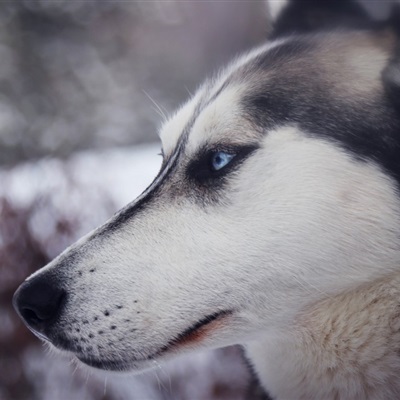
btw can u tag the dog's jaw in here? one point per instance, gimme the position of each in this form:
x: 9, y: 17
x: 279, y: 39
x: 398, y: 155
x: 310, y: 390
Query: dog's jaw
x: 191, y: 338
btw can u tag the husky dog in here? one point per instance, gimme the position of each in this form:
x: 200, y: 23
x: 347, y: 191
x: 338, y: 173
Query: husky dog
x: 274, y: 223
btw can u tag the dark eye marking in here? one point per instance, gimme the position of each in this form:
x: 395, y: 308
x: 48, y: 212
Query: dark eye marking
x: 215, y: 163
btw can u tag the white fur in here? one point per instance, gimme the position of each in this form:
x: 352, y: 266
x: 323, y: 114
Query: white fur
x: 276, y: 7
x: 345, y: 347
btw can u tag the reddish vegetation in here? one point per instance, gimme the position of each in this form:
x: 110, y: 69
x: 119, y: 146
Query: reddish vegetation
x: 20, y: 255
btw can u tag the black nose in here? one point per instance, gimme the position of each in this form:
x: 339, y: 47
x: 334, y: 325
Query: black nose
x: 38, y: 301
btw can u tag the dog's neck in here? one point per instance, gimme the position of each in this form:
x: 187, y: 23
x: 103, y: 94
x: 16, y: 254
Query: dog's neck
x: 346, y: 347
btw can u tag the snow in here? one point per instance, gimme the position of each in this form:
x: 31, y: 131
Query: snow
x: 122, y: 173
x: 86, y: 189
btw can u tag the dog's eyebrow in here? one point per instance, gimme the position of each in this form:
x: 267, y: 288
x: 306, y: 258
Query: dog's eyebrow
x: 266, y: 109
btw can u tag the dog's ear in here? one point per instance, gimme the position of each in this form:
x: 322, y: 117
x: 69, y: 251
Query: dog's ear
x: 304, y: 16
x: 391, y: 74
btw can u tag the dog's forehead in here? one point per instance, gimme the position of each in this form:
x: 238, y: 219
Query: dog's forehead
x: 215, y: 103
x: 212, y: 120
x: 292, y: 65
x: 221, y: 122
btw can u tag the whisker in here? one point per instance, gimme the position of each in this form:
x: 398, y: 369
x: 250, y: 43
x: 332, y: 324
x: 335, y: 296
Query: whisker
x: 190, y: 93
x: 166, y: 373
x: 161, y: 386
x: 158, y: 379
x: 105, y: 387
x: 158, y: 108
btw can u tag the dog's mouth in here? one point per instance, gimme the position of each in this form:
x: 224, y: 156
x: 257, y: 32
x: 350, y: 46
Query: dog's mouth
x: 187, y: 339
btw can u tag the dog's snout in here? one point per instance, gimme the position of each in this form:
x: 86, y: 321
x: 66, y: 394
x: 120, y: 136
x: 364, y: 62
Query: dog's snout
x: 38, y: 301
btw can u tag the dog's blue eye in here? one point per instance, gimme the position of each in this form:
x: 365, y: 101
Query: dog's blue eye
x: 221, y: 159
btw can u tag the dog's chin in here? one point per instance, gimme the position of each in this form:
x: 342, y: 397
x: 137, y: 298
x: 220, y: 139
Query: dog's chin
x: 114, y: 365
x: 104, y: 364
x: 191, y: 338
x: 131, y: 366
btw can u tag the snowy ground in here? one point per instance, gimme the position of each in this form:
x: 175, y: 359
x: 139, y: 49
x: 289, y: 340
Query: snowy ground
x: 118, y: 176
x: 89, y: 185
x: 123, y: 173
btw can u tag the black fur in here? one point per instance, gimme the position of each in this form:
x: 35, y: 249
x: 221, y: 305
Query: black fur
x: 391, y: 78
x: 391, y: 75
x: 295, y: 92
x: 305, y: 16
x: 191, y: 330
x: 368, y: 129
x: 134, y: 208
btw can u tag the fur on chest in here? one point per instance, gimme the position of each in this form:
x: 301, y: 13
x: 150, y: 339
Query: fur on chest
x: 345, y: 347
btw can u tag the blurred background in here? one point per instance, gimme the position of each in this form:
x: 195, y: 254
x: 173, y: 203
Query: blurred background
x: 83, y: 86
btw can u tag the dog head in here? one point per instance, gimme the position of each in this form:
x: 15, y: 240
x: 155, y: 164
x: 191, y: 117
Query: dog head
x: 279, y: 186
